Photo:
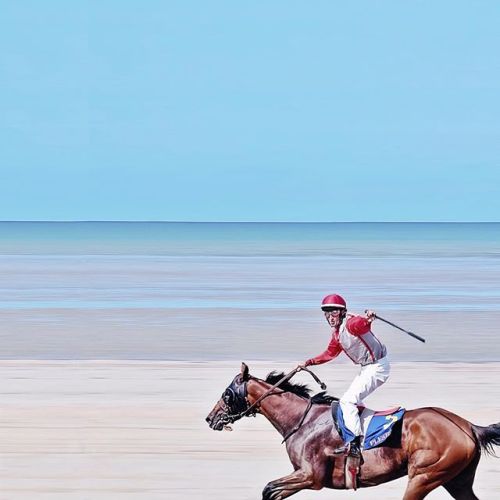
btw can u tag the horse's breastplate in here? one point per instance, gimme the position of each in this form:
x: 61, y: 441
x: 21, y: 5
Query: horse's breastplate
x: 362, y: 350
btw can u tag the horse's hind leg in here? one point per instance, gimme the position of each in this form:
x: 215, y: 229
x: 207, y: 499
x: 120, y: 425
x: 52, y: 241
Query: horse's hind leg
x: 419, y: 487
x: 288, y: 485
x: 427, y: 470
x: 460, y: 487
x: 459, y: 493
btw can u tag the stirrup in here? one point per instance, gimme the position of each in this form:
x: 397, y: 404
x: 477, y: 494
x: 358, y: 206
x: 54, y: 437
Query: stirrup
x: 342, y: 450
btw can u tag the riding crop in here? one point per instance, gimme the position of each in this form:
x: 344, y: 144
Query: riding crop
x: 411, y: 334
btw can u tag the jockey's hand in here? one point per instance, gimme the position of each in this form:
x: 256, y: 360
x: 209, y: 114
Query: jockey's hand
x: 370, y: 315
x: 300, y: 366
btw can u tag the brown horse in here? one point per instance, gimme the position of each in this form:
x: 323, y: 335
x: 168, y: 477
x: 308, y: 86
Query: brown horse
x: 435, y: 448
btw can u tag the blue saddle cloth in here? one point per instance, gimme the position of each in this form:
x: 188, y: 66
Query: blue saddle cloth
x: 379, y: 428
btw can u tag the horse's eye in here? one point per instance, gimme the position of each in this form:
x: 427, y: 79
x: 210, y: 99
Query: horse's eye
x: 227, y: 397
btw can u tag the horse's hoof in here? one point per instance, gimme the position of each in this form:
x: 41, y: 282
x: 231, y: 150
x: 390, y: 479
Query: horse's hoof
x: 267, y: 492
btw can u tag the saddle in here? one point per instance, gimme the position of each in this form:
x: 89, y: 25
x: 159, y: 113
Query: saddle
x: 377, y: 428
x: 377, y: 425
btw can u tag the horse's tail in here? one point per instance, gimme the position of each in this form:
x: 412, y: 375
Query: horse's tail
x: 487, y: 437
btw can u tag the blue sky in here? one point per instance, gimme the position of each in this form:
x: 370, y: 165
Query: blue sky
x: 280, y: 111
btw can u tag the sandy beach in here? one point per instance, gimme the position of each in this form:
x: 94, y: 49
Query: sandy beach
x: 93, y: 430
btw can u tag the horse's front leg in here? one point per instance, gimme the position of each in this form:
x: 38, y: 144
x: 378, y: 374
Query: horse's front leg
x: 288, y: 485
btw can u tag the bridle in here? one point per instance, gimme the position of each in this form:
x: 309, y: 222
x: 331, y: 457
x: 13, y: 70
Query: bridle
x: 235, y: 399
x: 238, y: 393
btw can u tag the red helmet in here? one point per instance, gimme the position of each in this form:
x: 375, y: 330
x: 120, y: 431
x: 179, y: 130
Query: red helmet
x: 335, y: 301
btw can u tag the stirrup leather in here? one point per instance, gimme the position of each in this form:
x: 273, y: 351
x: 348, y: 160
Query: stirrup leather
x: 352, y: 470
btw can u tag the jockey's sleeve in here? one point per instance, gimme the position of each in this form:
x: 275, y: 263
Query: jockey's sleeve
x: 332, y: 351
x: 358, y: 325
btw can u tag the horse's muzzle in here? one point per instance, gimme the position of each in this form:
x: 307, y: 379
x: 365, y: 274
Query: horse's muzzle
x: 217, y: 423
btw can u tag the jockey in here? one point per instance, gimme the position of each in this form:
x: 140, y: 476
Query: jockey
x: 354, y: 337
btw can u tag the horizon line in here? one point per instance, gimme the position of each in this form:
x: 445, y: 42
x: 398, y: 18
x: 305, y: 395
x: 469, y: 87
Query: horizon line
x: 248, y: 221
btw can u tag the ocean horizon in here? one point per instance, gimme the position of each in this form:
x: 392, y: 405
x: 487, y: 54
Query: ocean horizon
x: 248, y: 238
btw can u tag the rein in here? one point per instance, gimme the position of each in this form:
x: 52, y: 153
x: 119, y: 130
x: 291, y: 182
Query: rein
x: 299, y: 425
x: 288, y: 376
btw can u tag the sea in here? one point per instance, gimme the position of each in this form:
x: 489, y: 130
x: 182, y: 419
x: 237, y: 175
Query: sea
x: 235, y: 291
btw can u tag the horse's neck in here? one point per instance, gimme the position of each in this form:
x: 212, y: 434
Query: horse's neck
x: 283, y: 409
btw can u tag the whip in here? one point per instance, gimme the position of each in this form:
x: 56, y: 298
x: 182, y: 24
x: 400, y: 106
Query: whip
x: 411, y: 334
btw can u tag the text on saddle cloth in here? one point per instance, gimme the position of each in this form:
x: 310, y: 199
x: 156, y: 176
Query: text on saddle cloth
x: 377, y: 425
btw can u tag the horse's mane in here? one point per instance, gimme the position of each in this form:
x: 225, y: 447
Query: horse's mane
x: 301, y: 390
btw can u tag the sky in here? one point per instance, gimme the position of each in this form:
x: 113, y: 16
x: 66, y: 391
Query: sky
x: 250, y: 111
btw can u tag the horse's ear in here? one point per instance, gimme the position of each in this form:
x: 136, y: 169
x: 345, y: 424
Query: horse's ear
x: 244, y: 371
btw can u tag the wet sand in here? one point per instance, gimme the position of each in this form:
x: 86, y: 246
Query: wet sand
x: 220, y: 334
x: 135, y: 430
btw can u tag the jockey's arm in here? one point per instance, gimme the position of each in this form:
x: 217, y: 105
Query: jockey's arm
x: 332, y: 351
x: 358, y: 325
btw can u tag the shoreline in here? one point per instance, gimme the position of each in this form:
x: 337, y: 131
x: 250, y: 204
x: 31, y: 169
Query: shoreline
x: 224, y: 362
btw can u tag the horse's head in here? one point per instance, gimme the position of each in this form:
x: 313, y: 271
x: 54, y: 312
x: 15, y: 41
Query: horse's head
x: 232, y: 403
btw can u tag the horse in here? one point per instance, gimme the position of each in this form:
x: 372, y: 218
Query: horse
x: 435, y: 447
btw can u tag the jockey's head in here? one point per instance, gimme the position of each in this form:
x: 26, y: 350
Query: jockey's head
x: 335, y: 308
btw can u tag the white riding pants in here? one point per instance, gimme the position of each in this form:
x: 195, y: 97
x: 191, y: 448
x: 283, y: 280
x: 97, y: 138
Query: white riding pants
x: 369, y: 378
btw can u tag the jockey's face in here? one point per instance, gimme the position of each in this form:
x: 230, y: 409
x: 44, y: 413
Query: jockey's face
x: 334, y: 317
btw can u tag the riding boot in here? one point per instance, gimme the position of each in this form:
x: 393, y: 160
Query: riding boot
x: 355, y: 447
x: 352, y: 448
